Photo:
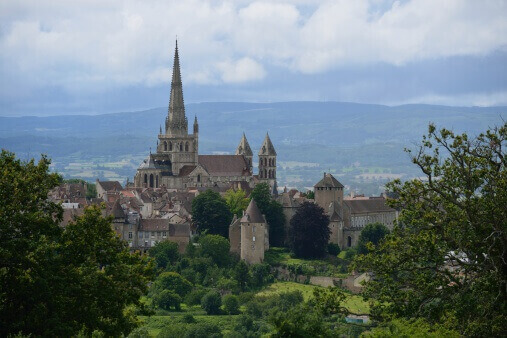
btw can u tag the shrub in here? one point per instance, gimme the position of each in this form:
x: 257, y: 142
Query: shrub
x: 231, y: 304
x: 188, y: 318
x: 203, y: 330
x: 172, y: 281
x: 167, y: 299
x: 173, y: 330
x: 245, y: 297
x: 333, y: 249
x: 195, y: 297
x: 140, y: 332
x: 211, y: 303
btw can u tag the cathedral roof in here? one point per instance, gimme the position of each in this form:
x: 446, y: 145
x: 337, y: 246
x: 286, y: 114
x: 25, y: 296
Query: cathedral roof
x: 253, y: 214
x: 328, y: 182
x: 267, y: 147
x: 148, y: 163
x: 244, y: 147
x: 186, y: 170
x: 224, y: 165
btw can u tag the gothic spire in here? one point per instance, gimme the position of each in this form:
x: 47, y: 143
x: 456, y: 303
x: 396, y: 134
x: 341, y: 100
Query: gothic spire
x: 176, y: 121
x: 244, y: 147
x: 267, y: 147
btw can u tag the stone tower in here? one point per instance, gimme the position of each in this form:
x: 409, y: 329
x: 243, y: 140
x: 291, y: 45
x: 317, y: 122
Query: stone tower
x: 245, y: 150
x: 254, y: 235
x: 176, y: 144
x: 267, y: 163
x: 328, y: 190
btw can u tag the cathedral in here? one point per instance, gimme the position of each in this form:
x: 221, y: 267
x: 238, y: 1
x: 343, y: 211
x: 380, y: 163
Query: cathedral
x: 176, y: 164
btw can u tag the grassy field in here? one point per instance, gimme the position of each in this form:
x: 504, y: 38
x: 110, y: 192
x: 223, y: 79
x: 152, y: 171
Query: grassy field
x: 282, y: 257
x: 353, y: 303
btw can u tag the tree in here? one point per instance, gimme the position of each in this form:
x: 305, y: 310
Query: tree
x: 309, y: 231
x: 310, y: 194
x: 211, y: 214
x: 241, y: 274
x: 446, y: 260
x: 372, y: 233
x: 165, y: 252
x: 172, y: 281
x: 211, y: 303
x: 167, y: 299
x: 237, y: 201
x: 216, y: 247
x: 273, y: 211
x: 231, y: 304
x: 55, y: 281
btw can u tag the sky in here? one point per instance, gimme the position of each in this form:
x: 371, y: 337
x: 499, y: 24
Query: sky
x: 62, y: 57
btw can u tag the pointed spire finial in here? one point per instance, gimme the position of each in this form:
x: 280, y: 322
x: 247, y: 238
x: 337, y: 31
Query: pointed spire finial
x: 160, y: 129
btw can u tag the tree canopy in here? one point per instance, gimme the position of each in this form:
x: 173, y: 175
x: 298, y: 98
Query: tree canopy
x: 165, y: 252
x: 273, y: 212
x: 55, y: 281
x: 446, y: 261
x: 309, y: 231
x: 211, y: 214
x: 237, y: 201
x: 216, y: 247
x: 372, y: 233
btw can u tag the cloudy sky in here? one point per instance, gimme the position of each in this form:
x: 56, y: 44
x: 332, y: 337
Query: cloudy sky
x: 96, y: 56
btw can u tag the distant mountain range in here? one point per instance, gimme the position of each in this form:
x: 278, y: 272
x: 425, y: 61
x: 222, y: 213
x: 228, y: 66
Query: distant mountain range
x: 333, y: 135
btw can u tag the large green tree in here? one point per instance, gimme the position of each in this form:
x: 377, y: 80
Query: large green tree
x: 237, y: 201
x: 309, y: 231
x: 164, y: 253
x: 273, y: 212
x: 216, y: 247
x: 446, y: 261
x: 211, y: 213
x: 55, y: 281
x: 372, y: 233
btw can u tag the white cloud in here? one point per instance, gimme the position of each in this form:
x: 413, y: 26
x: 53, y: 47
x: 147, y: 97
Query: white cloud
x: 242, y: 70
x: 118, y: 43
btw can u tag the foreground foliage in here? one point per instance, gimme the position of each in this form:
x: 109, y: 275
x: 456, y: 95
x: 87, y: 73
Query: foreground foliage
x: 446, y: 261
x: 54, y: 281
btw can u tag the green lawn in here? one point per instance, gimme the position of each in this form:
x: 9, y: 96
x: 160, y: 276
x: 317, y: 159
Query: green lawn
x: 353, y: 303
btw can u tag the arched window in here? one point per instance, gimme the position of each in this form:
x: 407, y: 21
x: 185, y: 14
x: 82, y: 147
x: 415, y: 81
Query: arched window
x: 349, y: 241
x: 181, y: 146
x: 145, y: 179
x: 265, y: 173
x: 199, y: 178
x: 170, y: 146
x: 151, y: 180
x: 165, y: 146
x: 156, y: 181
x: 186, y: 146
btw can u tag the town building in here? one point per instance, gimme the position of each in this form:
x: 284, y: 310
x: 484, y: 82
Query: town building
x: 348, y: 216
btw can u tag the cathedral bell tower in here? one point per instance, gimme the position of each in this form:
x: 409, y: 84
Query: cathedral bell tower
x: 267, y: 163
x: 245, y: 150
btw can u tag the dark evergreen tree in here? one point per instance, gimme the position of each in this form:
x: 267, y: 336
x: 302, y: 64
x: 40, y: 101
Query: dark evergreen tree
x: 309, y: 231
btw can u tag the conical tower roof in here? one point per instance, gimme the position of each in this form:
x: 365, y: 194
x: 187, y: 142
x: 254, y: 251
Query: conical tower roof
x: 267, y: 147
x: 253, y: 214
x: 244, y: 147
x: 176, y: 121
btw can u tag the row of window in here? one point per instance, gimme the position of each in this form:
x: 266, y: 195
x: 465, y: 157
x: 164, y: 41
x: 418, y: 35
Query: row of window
x: 267, y: 162
x: 267, y: 173
x: 146, y: 234
x: 168, y: 146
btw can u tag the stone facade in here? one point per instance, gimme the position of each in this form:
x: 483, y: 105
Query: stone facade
x: 176, y: 164
x: 249, y: 235
x: 347, y: 217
